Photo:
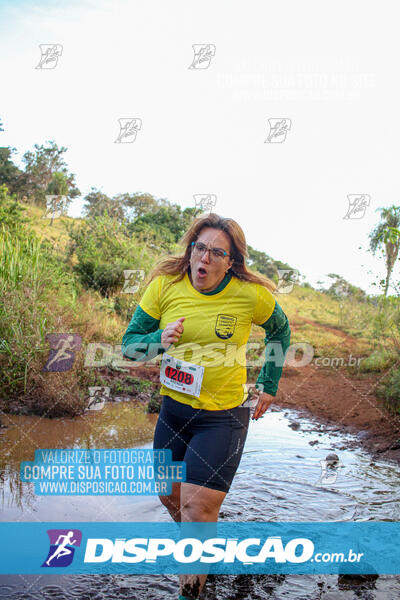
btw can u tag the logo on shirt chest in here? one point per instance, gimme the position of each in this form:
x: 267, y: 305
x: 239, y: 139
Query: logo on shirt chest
x: 225, y: 326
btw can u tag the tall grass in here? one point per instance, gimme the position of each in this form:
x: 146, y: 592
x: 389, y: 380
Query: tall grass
x: 40, y: 294
x: 31, y: 278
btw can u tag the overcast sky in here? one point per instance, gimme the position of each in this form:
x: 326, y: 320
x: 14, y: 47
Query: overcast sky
x: 329, y: 69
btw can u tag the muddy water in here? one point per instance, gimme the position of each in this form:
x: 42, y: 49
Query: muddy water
x: 280, y: 478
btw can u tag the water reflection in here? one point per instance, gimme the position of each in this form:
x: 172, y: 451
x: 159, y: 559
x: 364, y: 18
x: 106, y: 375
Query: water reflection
x: 118, y: 425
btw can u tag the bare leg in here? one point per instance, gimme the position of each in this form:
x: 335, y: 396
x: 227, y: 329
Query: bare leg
x: 173, y: 502
x: 197, y: 504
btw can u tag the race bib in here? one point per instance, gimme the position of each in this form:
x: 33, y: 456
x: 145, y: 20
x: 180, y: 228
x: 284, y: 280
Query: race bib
x: 181, y: 375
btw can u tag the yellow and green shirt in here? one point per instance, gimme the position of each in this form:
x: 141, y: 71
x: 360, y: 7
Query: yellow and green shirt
x: 217, y: 326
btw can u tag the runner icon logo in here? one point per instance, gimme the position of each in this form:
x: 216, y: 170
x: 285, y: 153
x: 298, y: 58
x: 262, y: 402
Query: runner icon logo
x: 62, y: 547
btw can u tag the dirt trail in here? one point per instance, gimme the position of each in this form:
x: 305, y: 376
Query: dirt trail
x: 344, y: 402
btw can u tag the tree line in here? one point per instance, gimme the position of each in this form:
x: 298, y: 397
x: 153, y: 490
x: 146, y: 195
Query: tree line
x: 158, y: 222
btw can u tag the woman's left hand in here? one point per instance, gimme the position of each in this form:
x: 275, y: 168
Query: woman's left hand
x: 264, y: 402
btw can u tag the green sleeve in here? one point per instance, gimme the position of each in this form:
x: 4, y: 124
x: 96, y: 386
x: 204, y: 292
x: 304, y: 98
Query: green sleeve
x: 277, y: 341
x: 142, y: 339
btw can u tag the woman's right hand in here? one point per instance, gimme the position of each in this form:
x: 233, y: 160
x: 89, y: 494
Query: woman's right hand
x: 172, y: 332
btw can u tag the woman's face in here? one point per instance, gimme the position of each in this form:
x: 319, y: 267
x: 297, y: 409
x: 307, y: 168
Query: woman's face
x: 207, y: 271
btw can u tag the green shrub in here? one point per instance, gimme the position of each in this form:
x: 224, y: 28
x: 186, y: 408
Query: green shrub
x: 154, y: 404
x: 104, y: 249
x: 389, y: 391
x: 11, y: 211
x: 379, y: 360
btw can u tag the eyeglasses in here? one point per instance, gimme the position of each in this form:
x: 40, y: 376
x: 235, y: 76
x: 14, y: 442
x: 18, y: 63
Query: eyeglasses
x: 199, y: 248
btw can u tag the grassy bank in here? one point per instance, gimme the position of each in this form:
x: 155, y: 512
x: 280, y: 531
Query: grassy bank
x: 45, y: 288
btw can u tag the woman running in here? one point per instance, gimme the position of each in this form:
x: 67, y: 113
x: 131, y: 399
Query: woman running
x: 198, y: 309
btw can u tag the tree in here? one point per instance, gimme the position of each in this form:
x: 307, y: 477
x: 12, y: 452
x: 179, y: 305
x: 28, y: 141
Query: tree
x: 340, y: 288
x: 384, y: 236
x: 261, y: 262
x: 264, y: 264
x: 10, y: 174
x: 169, y: 221
x: 97, y: 204
x: 40, y: 167
x: 58, y: 186
x: 138, y: 204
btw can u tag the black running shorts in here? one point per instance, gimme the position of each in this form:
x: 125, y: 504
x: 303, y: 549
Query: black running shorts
x: 209, y: 441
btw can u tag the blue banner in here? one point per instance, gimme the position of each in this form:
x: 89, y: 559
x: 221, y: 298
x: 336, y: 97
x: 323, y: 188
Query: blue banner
x: 222, y: 547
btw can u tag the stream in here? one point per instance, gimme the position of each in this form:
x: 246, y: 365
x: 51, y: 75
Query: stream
x: 280, y: 478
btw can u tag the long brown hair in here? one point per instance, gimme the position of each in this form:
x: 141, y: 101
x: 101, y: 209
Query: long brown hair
x: 178, y: 265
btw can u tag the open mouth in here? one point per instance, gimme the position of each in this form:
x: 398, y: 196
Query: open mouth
x: 202, y: 272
